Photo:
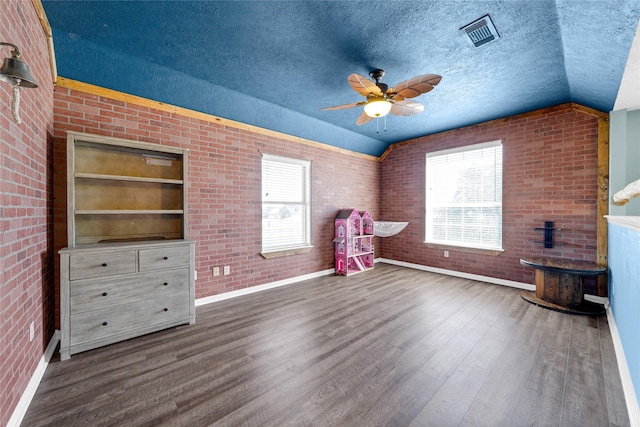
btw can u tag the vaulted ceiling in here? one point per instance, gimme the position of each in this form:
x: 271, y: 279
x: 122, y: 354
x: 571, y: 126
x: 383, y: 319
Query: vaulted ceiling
x: 276, y: 64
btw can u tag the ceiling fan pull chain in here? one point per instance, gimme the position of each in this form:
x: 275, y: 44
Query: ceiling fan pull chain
x: 378, y: 125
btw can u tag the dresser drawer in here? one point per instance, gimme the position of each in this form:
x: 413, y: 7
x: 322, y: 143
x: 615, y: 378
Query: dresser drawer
x: 105, y: 322
x: 100, y: 264
x: 105, y: 292
x: 169, y: 257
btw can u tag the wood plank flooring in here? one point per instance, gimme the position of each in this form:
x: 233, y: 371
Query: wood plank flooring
x: 388, y: 347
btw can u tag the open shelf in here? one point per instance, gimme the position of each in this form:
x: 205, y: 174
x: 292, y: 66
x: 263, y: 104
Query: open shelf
x: 126, y: 178
x: 122, y: 190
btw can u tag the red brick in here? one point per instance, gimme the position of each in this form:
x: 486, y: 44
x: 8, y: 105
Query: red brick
x: 27, y: 289
x: 224, y: 185
x: 555, y: 183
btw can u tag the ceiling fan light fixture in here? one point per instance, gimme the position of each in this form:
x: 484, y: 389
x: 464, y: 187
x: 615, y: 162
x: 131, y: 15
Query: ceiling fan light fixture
x: 378, y: 107
x: 382, y: 100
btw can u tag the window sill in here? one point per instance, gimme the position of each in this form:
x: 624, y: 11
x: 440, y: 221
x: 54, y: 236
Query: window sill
x: 286, y: 252
x: 466, y: 249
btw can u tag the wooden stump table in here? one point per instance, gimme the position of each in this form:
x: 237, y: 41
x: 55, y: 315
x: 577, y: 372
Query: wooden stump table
x: 560, y: 284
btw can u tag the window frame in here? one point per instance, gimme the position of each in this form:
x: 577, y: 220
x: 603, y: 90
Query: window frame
x: 464, y: 246
x: 273, y: 251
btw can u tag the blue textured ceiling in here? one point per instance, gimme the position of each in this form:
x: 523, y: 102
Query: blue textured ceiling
x: 276, y: 64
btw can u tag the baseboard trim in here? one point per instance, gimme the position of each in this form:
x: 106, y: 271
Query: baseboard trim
x: 22, y: 406
x: 625, y: 375
x: 598, y: 300
x: 259, y: 288
x: 494, y: 280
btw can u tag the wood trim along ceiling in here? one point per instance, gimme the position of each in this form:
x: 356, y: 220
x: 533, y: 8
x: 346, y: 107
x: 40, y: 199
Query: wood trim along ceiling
x: 561, y: 107
x: 42, y: 16
x: 602, y: 203
x: 149, y: 103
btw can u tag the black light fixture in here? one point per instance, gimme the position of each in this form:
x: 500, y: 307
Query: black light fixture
x: 17, y: 73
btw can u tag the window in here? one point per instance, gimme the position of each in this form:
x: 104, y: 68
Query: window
x: 464, y: 196
x: 286, y: 206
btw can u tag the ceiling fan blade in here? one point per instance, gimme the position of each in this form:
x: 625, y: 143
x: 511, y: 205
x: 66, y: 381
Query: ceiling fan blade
x: 363, y: 119
x: 363, y: 86
x: 414, y: 87
x: 406, y: 108
x: 345, y: 106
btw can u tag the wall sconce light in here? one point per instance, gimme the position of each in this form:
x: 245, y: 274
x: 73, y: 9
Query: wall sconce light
x: 17, y: 73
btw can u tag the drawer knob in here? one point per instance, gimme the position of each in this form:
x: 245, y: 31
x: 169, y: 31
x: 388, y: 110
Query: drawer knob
x: 104, y: 323
x: 104, y: 294
x: 166, y: 283
x: 104, y: 264
x: 165, y: 258
x: 166, y: 309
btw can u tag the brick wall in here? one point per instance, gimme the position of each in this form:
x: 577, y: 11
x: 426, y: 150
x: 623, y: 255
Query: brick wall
x: 224, y: 216
x: 549, y: 174
x: 26, y: 233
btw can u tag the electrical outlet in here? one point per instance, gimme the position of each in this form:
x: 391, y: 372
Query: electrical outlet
x: 227, y: 270
x: 32, y: 331
x: 446, y: 254
x: 216, y: 271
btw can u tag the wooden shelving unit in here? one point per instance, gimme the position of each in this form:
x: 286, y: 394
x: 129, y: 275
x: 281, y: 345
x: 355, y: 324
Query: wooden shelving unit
x: 129, y: 267
x: 123, y: 190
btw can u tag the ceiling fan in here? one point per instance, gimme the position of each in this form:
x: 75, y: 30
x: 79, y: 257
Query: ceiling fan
x: 382, y: 100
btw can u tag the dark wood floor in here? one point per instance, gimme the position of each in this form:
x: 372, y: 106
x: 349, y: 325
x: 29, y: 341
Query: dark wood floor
x: 389, y: 347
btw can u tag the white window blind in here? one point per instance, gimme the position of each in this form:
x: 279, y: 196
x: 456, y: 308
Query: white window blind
x: 464, y: 196
x: 286, y: 211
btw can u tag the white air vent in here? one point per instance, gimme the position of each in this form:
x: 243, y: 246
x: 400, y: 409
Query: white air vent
x: 481, y: 31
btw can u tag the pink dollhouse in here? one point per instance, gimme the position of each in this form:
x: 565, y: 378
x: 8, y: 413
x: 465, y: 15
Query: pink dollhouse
x: 353, y: 241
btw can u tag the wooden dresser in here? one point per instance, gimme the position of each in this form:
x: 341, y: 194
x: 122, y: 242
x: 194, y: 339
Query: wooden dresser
x: 129, y: 268
x: 110, y: 293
